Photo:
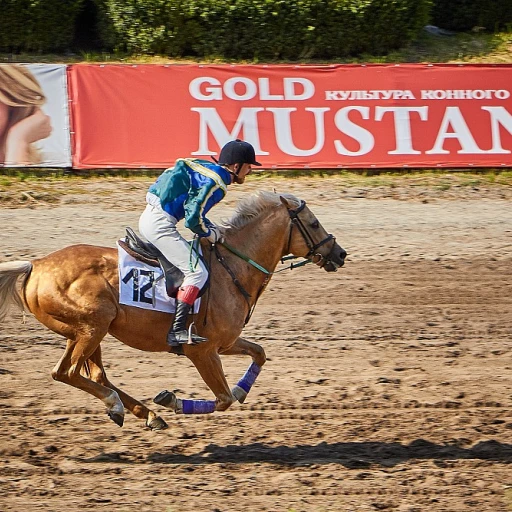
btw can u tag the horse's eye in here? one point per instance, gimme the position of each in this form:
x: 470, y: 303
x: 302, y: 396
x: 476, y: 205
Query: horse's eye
x: 315, y: 224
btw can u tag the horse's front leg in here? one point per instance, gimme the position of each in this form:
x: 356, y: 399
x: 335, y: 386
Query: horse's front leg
x: 209, y: 366
x: 244, y: 347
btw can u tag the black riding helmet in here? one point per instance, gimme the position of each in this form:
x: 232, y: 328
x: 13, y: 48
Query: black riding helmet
x: 237, y: 152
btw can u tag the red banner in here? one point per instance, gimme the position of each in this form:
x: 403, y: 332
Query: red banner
x: 295, y: 116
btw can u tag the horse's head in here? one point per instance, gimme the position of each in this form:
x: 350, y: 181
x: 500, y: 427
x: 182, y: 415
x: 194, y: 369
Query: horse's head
x: 310, y: 240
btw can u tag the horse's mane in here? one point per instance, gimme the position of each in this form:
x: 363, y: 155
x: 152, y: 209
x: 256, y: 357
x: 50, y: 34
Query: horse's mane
x: 252, y: 206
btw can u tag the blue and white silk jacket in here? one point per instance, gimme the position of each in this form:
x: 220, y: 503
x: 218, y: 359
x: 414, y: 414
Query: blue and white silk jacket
x: 190, y: 189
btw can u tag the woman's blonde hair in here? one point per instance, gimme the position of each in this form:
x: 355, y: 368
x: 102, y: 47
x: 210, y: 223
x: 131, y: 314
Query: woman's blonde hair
x: 20, y: 90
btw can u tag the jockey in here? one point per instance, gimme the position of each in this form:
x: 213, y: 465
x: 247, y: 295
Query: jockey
x: 188, y: 191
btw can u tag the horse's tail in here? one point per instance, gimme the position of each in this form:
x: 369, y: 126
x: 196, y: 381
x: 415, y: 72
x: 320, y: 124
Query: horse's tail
x: 9, y: 274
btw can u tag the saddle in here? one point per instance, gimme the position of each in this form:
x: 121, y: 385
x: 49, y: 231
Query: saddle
x: 150, y: 255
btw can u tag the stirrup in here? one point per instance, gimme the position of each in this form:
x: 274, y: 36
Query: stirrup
x: 177, y: 338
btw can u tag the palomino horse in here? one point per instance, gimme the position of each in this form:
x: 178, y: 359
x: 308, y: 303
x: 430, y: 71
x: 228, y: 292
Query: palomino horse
x: 75, y: 293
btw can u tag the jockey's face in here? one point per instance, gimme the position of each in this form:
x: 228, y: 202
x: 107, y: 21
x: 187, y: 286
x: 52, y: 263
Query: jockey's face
x: 241, y: 172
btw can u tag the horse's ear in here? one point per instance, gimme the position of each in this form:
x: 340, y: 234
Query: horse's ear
x: 285, y: 202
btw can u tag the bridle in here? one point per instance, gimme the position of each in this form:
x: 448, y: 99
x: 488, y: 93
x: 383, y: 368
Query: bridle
x: 308, y: 239
x: 312, y: 256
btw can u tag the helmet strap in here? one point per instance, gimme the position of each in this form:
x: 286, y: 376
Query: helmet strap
x: 235, y: 173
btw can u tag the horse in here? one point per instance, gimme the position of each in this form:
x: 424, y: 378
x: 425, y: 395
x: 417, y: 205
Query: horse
x: 74, y: 292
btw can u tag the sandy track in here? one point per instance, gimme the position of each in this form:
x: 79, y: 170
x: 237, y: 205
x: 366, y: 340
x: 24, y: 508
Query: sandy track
x: 387, y: 385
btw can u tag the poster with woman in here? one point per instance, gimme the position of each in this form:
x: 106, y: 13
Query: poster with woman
x: 34, y: 118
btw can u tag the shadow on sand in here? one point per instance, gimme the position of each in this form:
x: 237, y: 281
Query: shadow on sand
x: 350, y: 455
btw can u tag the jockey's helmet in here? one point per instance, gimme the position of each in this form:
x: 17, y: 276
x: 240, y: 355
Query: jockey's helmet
x: 237, y: 152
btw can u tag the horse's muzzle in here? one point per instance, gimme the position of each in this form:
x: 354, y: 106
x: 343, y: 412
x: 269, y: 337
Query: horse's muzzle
x: 335, y: 259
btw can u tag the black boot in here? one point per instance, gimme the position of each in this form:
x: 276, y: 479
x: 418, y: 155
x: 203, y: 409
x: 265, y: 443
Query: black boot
x: 178, y: 335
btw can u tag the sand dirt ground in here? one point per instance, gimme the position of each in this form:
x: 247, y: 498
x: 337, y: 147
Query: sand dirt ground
x: 388, y: 384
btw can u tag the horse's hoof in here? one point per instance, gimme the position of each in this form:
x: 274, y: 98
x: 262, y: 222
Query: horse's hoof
x: 157, y: 423
x: 117, y: 418
x: 166, y: 399
x: 239, y: 393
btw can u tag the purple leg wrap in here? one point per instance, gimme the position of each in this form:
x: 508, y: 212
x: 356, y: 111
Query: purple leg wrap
x: 198, y: 406
x: 249, y: 377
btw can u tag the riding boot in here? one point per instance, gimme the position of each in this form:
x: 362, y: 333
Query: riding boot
x: 179, y: 333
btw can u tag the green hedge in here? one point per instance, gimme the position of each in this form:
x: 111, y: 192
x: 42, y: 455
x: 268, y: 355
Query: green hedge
x: 264, y: 29
x: 236, y: 29
x: 464, y: 15
x: 37, y: 25
x: 241, y: 29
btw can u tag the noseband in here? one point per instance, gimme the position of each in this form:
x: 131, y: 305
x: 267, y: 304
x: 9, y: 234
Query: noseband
x: 296, y: 221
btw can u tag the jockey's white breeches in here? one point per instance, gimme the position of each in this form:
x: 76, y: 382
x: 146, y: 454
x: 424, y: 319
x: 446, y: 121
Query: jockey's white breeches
x: 159, y: 228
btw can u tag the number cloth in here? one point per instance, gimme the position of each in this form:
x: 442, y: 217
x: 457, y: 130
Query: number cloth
x: 143, y: 286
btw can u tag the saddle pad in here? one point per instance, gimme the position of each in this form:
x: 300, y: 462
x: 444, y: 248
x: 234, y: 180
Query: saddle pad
x: 143, y: 286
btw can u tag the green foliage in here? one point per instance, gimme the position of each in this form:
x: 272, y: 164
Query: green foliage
x: 463, y: 15
x: 264, y: 29
x: 37, y: 25
x: 239, y: 29
x: 13, y: 28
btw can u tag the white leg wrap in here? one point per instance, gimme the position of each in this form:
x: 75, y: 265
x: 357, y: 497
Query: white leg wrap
x: 114, y: 404
x: 239, y: 393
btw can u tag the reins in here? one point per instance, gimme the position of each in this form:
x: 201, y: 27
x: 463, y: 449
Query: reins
x: 310, y: 243
x: 236, y: 252
x: 268, y: 274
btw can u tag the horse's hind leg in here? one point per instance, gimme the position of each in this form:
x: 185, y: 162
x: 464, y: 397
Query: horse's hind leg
x: 97, y: 373
x: 244, y: 347
x: 68, y: 369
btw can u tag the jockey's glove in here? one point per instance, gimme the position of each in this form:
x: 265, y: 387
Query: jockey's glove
x: 215, y: 235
